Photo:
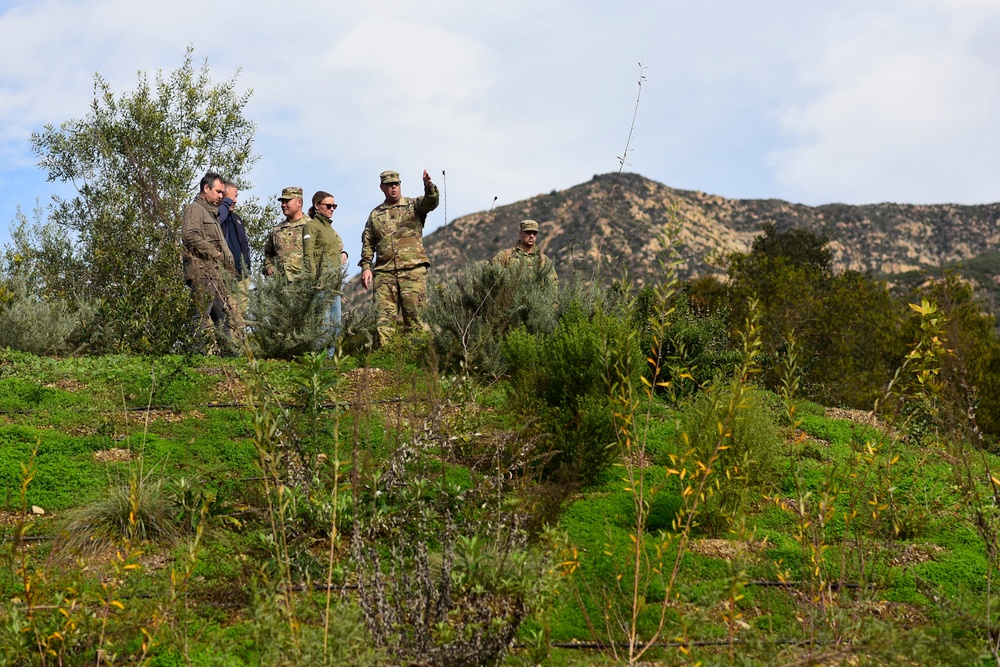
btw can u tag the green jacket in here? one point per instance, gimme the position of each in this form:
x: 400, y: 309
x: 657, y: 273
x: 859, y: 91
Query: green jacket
x: 321, y: 246
x: 284, y: 244
x: 394, y: 233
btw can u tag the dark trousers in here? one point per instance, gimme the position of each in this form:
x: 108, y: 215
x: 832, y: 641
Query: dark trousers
x: 211, y: 305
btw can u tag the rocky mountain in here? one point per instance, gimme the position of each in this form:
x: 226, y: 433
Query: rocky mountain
x: 618, y: 219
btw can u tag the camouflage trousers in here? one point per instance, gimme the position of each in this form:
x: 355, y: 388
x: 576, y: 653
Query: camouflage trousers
x: 399, y: 296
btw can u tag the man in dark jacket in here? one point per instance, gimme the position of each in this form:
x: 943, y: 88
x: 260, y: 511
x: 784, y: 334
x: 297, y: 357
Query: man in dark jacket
x: 236, y: 238
x: 207, y: 258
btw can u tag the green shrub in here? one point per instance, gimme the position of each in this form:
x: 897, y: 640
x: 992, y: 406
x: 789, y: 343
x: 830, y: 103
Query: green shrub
x: 470, y: 315
x: 41, y: 325
x: 287, y: 319
x: 697, y: 347
x: 563, y: 379
x: 751, y: 462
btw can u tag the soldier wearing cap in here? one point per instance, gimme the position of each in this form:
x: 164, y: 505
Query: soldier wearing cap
x: 393, y: 236
x: 526, y: 250
x: 284, y: 243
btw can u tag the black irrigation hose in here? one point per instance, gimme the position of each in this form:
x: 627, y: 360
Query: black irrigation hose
x: 325, y: 406
x: 793, y: 584
x: 589, y: 646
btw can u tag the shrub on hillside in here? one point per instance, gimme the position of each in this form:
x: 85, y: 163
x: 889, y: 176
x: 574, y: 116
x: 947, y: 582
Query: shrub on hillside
x: 287, y: 319
x: 470, y: 315
x: 749, y: 464
x: 696, y: 347
x: 564, y: 379
x: 973, y: 368
x: 42, y: 325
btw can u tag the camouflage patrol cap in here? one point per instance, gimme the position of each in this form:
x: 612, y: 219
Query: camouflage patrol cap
x: 529, y: 226
x: 291, y: 192
x: 389, y: 177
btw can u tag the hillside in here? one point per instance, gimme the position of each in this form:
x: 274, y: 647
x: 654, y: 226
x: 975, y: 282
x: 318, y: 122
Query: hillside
x: 885, y: 239
x: 244, y: 558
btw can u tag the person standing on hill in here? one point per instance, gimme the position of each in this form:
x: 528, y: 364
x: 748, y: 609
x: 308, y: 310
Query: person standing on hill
x: 207, y: 258
x: 284, y: 243
x: 393, y: 236
x: 235, y: 232
x: 322, y: 247
x: 526, y: 251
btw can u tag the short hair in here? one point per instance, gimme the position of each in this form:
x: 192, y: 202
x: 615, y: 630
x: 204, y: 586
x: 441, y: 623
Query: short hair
x: 229, y: 185
x: 208, y: 180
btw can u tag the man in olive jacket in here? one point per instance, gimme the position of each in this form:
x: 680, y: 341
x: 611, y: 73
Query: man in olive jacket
x: 208, y: 261
x: 393, y: 235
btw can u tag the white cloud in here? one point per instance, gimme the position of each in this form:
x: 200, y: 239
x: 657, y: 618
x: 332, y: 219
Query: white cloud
x: 845, y: 100
x: 901, y: 106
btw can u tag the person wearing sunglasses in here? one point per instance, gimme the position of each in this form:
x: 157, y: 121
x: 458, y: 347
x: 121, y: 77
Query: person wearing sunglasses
x: 322, y: 247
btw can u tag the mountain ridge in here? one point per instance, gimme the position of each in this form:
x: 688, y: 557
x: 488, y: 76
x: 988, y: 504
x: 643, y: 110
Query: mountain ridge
x: 618, y: 218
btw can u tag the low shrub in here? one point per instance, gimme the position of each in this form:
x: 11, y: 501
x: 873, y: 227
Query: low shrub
x: 563, y: 379
x: 41, y: 325
x: 751, y: 462
x: 287, y: 319
x: 471, y: 314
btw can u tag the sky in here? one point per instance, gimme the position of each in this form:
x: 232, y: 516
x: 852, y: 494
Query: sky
x: 839, y: 101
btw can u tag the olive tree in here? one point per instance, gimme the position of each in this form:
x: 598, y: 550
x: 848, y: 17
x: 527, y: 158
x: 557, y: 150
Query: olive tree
x: 134, y: 161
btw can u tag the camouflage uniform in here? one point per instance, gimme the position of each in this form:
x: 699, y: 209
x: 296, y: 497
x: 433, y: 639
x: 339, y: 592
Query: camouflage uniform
x: 519, y: 257
x: 394, y: 236
x: 208, y: 263
x: 284, y: 243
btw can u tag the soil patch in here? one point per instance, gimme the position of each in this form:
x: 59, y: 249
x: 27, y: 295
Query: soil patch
x: 726, y: 549
x: 67, y: 384
x: 113, y: 455
x: 866, y: 417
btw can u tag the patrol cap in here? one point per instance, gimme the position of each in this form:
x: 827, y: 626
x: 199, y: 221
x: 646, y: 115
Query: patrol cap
x: 389, y: 177
x: 291, y: 193
x: 529, y: 226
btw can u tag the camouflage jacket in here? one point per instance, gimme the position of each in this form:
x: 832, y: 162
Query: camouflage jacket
x: 518, y: 254
x: 284, y: 245
x: 206, y: 254
x: 394, y: 233
x: 321, y: 245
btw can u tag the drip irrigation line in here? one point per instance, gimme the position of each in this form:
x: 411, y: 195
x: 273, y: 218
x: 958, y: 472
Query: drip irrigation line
x: 591, y: 646
x: 208, y: 406
x: 29, y: 538
x: 793, y: 584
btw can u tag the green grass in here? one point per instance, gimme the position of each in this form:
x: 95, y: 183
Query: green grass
x: 69, y: 409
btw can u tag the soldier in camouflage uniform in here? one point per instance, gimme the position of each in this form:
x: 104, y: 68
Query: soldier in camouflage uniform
x: 393, y: 235
x: 526, y: 251
x: 284, y: 243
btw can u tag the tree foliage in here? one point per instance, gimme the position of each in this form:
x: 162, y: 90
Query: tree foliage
x: 848, y: 324
x: 134, y: 161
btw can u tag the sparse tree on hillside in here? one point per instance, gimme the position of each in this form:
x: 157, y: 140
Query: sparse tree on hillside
x: 134, y: 161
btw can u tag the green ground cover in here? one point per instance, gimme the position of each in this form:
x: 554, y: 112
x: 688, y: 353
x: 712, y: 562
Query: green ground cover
x: 905, y: 580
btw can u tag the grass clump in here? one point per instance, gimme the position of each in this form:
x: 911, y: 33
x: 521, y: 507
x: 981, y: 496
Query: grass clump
x: 140, y: 509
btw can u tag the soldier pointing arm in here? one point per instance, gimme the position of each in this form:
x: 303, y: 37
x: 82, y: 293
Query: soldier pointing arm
x: 392, y: 253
